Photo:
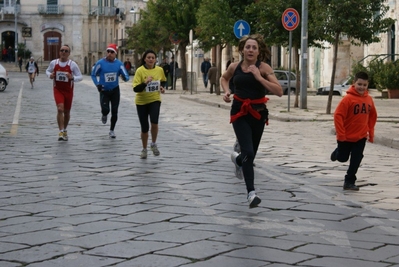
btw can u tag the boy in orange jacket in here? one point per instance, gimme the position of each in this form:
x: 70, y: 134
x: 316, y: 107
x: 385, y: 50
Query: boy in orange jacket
x: 354, y: 120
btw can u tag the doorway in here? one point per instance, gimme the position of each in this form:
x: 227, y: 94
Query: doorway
x: 52, y: 43
x: 7, y: 41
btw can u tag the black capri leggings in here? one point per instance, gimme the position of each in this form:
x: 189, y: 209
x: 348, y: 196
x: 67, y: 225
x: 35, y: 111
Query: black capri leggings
x: 152, y: 110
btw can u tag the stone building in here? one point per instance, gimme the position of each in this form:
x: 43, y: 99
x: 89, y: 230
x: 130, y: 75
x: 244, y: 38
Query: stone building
x: 87, y: 26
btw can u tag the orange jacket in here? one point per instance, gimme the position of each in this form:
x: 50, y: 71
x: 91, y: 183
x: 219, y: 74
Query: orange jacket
x: 355, y: 117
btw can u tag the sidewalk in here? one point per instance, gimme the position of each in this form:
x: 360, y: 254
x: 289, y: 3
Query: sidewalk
x: 387, y: 127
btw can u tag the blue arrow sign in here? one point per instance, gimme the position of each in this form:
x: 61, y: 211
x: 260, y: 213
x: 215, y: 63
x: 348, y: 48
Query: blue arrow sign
x: 241, y: 28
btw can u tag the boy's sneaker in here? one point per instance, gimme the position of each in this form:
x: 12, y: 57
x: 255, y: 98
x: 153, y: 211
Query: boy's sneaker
x: 352, y: 187
x: 65, y: 135
x: 253, y: 199
x: 60, y: 136
x: 333, y: 156
x: 143, y: 154
x: 104, y: 119
x: 112, y: 134
x: 155, y: 150
x: 236, y: 147
x: 238, y: 169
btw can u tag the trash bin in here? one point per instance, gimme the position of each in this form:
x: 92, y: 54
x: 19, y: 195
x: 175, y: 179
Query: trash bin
x: 192, y: 81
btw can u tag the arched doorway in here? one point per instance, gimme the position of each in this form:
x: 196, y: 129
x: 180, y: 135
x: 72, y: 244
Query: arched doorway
x: 52, y: 43
x: 7, y: 41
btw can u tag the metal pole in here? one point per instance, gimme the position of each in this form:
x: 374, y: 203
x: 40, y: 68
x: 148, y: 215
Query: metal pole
x: 289, y: 71
x: 16, y: 34
x: 174, y: 71
x: 304, y: 56
x: 192, y: 72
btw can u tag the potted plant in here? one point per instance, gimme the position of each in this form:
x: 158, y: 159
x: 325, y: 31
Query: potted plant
x: 388, y: 78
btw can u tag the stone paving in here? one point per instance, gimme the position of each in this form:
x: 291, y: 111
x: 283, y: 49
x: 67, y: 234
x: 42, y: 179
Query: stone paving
x: 91, y: 201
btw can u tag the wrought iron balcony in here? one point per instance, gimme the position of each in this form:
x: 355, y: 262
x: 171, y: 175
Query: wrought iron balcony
x: 102, y: 11
x: 9, y: 10
x: 50, y: 9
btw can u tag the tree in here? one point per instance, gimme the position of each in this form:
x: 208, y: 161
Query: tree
x: 269, y: 14
x: 361, y: 21
x: 159, y: 21
x: 215, y: 25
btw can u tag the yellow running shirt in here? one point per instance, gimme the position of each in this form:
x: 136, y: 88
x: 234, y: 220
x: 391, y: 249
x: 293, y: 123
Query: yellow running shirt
x: 152, y: 91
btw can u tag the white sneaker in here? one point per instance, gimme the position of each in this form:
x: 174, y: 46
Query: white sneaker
x: 143, y: 154
x: 253, y: 199
x: 155, y: 150
x: 112, y: 134
x: 238, y: 170
x: 236, y: 147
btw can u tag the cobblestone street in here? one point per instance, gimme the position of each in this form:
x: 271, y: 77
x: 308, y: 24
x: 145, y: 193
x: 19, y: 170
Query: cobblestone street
x: 91, y: 201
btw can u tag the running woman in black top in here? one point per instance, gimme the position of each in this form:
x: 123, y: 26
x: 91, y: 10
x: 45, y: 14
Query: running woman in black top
x: 252, y: 78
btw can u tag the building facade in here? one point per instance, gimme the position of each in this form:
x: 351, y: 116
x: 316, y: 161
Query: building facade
x: 87, y: 26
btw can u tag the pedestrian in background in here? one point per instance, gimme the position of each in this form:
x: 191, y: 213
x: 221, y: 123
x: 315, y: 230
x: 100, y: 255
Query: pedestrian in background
x: 148, y: 83
x: 212, y: 76
x: 32, y: 69
x: 229, y: 62
x: 205, y: 66
x: 128, y: 65
x: 20, y: 63
x: 64, y: 73
x: 4, y: 53
x: 166, y: 70
x: 252, y: 79
x: 173, y: 66
x: 105, y: 76
x: 354, y: 119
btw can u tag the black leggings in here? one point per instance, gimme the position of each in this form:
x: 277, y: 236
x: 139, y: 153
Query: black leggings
x: 112, y: 96
x: 249, y: 133
x: 151, y: 110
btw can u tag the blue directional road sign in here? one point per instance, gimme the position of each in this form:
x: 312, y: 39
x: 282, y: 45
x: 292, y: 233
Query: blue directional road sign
x: 241, y: 28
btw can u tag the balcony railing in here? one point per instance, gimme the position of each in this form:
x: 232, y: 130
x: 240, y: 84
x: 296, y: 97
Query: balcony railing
x: 102, y: 11
x: 50, y: 9
x: 9, y: 10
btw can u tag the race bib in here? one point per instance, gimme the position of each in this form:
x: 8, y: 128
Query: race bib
x: 110, y: 77
x: 153, y: 86
x: 61, y: 76
x: 31, y: 69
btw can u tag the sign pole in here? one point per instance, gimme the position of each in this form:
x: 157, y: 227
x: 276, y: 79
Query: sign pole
x: 289, y: 71
x: 192, y: 55
x: 290, y: 20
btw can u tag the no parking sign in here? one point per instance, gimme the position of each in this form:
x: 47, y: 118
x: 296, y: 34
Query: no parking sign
x: 290, y: 19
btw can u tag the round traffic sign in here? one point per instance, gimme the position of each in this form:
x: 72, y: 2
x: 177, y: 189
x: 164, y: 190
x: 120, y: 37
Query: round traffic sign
x: 241, y: 28
x: 174, y: 38
x: 290, y: 19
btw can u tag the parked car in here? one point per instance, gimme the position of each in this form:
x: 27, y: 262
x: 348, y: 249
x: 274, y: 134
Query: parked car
x: 339, y: 89
x: 4, y: 80
x: 282, y: 77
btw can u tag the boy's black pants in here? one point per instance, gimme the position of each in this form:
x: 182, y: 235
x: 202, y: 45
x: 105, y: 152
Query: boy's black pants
x: 354, y: 150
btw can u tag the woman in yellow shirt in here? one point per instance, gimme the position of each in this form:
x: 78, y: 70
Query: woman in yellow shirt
x: 149, y: 81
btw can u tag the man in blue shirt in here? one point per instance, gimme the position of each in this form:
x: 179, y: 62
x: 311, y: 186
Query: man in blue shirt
x: 105, y: 75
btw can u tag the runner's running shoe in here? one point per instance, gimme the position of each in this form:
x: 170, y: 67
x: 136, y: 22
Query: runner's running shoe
x: 155, y: 150
x: 238, y: 169
x: 253, y: 199
x: 143, y: 154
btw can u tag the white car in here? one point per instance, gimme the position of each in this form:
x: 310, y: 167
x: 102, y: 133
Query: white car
x: 4, y: 80
x: 339, y: 89
x: 282, y: 77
